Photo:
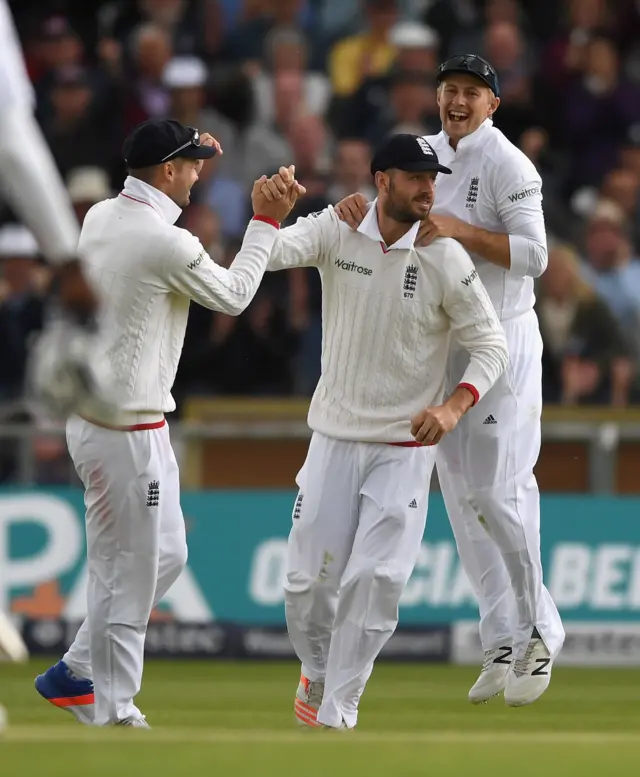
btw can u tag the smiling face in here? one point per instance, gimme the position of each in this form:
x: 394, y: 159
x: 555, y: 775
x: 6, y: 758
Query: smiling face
x: 406, y: 197
x: 465, y: 101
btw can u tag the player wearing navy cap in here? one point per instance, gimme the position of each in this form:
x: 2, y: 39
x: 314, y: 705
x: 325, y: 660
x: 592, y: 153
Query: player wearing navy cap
x: 146, y: 272
x: 389, y: 310
x: 492, y: 205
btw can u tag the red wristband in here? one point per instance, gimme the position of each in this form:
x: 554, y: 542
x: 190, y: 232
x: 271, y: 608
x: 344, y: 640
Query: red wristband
x: 267, y: 220
x: 472, y: 389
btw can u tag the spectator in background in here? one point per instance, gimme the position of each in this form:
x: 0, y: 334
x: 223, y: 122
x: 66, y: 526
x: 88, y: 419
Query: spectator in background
x: 75, y: 132
x: 246, y: 42
x: 453, y: 18
x: 613, y: 269
x: 23, y: 285
x: 494, y: 12
x: 148, y: 97
x: 186, y: 80
x: 86, y: 187
x: 351, y: 171
x: 630, y: 151
x: 586, y: 359
x: 265, y: 146
x: 599, y: 110
x: 505, y: 48
x: 412, y: 108
x: 116, y: 21
x: 311, y: 145
x: 566, y: 55
x: 370, y: 53
x: 249, y: 354
x: 203, y: 222
x: 286, y: 51
x: 552, y: 166
x: 416, y: 52
x: 416, y: 47
x: 55, y: 46
x: 623, y: 187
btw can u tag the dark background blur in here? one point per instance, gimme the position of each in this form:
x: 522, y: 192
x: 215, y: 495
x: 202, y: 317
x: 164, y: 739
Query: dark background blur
x: 318, y: 83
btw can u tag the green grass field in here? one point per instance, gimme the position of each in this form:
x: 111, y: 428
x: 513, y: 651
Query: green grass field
x: 236, y: 719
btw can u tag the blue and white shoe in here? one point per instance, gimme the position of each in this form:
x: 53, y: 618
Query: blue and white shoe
x: 59, y: 686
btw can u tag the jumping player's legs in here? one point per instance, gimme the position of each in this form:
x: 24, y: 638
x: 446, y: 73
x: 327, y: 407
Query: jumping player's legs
x: 480, y: 556
x: 497, y: 462
x: 393, y: 511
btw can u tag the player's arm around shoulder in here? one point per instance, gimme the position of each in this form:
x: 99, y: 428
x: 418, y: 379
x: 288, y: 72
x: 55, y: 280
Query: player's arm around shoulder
x: 186, y: 268
x: 474, y: 321
x: 311, y: 242
x: 516, y: 189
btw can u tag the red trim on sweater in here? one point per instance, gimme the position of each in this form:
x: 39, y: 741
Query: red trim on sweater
x: 134, y: 428
x: 267, y: 220
x: 135, y: 199
x: 472, y: 389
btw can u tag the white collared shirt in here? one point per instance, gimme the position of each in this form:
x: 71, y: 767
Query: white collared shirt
x: 388, y: 315
x: 146, y: 272
x: 493, y: 185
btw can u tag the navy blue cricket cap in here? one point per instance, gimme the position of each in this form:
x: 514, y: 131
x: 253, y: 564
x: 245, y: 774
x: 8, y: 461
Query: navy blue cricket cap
x: 407, y: 152
x: 160, y: 140
x: 472, y: 65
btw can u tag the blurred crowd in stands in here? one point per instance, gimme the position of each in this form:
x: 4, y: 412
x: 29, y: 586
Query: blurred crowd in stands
x: 318, y: 83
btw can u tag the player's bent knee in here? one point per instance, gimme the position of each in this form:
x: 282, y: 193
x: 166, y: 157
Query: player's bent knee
x: 375, y: 587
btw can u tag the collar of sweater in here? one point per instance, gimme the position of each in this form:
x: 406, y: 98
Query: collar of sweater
x: 139, y: 191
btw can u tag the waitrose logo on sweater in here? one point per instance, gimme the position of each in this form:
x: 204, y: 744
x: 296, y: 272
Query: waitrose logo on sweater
x: 353, y: 267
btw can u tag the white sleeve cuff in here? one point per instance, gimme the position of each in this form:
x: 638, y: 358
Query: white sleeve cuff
x: 528, y: 256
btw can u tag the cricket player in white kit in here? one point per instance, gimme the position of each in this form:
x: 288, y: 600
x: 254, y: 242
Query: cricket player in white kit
x: 146, y: 272
x: 492, y: 205
x: 390, y: 310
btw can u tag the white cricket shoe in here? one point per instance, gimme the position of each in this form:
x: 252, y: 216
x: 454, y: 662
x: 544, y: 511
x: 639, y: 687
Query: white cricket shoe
x: 134, y: 723
x: 4, y: 720
x: 307, y: 703
x: 529, y: 676
x: 493, y: 676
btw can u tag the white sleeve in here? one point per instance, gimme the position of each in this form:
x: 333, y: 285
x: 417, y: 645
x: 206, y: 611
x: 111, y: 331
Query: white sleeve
x: 474, y: 322
x: 189, y: 270
x: 29, y: 178
x: 518, y: 199
x: 310, y: 242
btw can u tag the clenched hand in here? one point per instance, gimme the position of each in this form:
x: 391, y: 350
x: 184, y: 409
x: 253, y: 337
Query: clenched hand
x: 431, y: 424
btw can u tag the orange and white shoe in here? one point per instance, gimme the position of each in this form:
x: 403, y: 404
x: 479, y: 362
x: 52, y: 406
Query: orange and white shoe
x: 307, y: 703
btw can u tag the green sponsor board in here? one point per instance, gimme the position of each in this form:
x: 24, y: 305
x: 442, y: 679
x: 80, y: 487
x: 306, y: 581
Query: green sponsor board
x: 237, y: 541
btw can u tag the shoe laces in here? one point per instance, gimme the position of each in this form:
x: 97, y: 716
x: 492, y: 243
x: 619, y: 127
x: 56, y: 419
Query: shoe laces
x: 315, y: 692
x: 521, y: 665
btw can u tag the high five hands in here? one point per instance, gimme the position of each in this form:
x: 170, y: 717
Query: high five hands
x: 275, y: 197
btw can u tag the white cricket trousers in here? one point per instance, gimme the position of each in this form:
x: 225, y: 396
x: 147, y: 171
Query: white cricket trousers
x: 136, y: 547
x: 358, y: 523
x: 485, y: 469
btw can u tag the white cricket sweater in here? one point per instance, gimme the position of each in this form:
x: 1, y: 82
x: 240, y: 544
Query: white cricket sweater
x: 387, y: 318
x: 146, y: 272
x: 493, y: 185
